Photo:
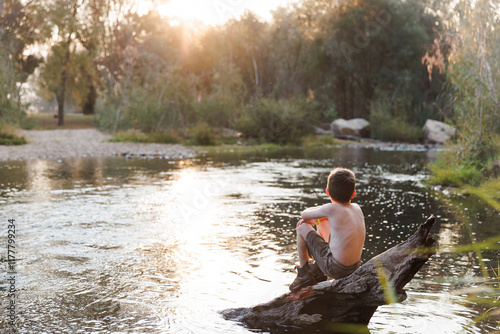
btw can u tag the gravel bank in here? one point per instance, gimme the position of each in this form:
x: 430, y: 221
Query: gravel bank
x: 60, y: 144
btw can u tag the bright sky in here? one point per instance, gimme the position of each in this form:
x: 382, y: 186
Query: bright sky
x: 218, y: 11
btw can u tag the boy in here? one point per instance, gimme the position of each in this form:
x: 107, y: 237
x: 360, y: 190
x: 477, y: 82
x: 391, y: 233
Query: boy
x: 337, y: 246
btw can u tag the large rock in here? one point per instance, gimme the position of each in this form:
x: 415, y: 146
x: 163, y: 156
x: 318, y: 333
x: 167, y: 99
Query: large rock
x: 357, y: 127
x: 436, y: 132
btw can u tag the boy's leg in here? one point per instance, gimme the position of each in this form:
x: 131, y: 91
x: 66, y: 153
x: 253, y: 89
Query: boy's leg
x: 302, y: 232
x: 306, y: 274
x: 324, y: 229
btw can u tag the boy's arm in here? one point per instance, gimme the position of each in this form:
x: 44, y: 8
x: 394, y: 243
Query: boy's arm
x: 317, y: 212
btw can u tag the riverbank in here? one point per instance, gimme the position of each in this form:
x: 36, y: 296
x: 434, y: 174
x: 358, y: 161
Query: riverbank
x: 71, y: 143
x: 60, y: 144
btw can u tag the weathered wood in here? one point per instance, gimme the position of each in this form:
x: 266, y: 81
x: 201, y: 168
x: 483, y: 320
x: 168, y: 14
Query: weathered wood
x: 352, y: 299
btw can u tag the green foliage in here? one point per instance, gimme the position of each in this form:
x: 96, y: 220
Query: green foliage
x: 30, y: 123
x: 464, y: 163
x: 153, y: 101
x: 323, y: 140
x: 8, y: 139
x: 376, y: 45
x: 451, y: 173
x: 474, y: 75
x: 8, y: 136
x: 392, y: 128
x: 202, y: 134
x: 474, y: 70
x: 276, y: 121
x: 135, y: 136
x: 106, y: 112
x: 218, y: 111
x: 221, y: 107
x: 143, y: 72
x: 11, y: 109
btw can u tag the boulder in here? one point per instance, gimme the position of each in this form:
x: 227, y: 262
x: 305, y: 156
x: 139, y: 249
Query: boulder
x: 320, y: 131
x: 436, y: 132
x: 362, y: 126
x: 357, y: 127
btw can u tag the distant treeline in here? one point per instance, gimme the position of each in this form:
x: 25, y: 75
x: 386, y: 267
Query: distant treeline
x: 314, y: 62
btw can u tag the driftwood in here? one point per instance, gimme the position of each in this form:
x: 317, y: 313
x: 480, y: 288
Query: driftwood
x: 352, y: 299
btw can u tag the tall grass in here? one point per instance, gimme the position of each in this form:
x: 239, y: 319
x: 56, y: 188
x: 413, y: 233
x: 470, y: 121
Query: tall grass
x: 388, y: 127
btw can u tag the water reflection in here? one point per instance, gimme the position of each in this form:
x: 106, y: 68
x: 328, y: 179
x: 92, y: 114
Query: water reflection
x: 110, y: 245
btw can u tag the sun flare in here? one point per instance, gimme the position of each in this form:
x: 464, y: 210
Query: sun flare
x: 189, y: 11
x: 213, y: 12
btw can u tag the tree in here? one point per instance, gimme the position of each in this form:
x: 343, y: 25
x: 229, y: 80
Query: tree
x: 248, y: 49
x: 374, y: 47
x: 473, y: 71
x: 21, y: 25
x: 59, y: 72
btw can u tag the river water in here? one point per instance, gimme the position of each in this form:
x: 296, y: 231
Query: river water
x: 110, y: 245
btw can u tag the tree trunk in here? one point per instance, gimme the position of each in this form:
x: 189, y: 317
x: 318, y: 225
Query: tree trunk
x: 61, y: 97
x: 352, y: 299
x: 255, y: 68
x: 90, y: 100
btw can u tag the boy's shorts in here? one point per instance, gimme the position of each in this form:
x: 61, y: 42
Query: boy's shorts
x: 322, y: 254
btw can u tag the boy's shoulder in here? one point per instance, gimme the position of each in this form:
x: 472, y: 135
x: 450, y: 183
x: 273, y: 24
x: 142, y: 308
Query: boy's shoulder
x: 339, y: 208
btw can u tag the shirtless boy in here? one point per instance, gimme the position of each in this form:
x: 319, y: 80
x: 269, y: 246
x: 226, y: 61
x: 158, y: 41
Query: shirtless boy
x: 337, y: 245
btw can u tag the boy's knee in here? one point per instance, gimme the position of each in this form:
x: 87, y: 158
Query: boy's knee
x: 304, y: 229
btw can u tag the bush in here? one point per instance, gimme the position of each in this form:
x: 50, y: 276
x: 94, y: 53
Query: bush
x: 202, y: 134
x: 392, y: 128
x: 276, y: 121
x: 30, y: 123
x: 454, y: 174
x: 6, y: 139
x: 135, y: 136
x: 218, y: 111
x: 106, y: 109
x: 466, y: 162
x: 7, y: 136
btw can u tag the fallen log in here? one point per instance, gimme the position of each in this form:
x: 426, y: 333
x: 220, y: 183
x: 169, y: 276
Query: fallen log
x: 353, y: 299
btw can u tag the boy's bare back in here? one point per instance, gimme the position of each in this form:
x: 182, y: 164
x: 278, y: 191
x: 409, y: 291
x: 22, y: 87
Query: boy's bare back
x: 347, y: 232
x: 347, y: 229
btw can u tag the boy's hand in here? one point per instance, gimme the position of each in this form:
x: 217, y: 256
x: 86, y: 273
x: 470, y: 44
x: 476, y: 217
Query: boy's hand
x: 303, y: 221
x: 311, y: 221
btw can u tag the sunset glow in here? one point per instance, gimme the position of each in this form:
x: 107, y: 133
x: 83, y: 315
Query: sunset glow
x: 213, y: 12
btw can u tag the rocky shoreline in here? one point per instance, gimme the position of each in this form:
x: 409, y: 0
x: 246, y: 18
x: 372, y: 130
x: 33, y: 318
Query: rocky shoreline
x: 62, y: 144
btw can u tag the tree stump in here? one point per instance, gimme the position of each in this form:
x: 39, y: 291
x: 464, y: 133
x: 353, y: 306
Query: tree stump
x: 352, y: 299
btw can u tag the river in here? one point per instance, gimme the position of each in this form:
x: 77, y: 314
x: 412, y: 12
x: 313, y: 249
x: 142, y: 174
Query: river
x: 115, y: 245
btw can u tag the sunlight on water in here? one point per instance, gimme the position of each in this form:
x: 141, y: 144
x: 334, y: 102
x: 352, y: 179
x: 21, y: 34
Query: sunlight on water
x: 424, y: 313
x: 113, y: 245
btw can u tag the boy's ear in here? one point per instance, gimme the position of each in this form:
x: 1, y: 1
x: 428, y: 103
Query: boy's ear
x: 353, y: 194
x: 327, y: 193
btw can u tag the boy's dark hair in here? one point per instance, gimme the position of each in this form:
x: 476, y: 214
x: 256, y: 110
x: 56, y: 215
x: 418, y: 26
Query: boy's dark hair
x: 341, y: 183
